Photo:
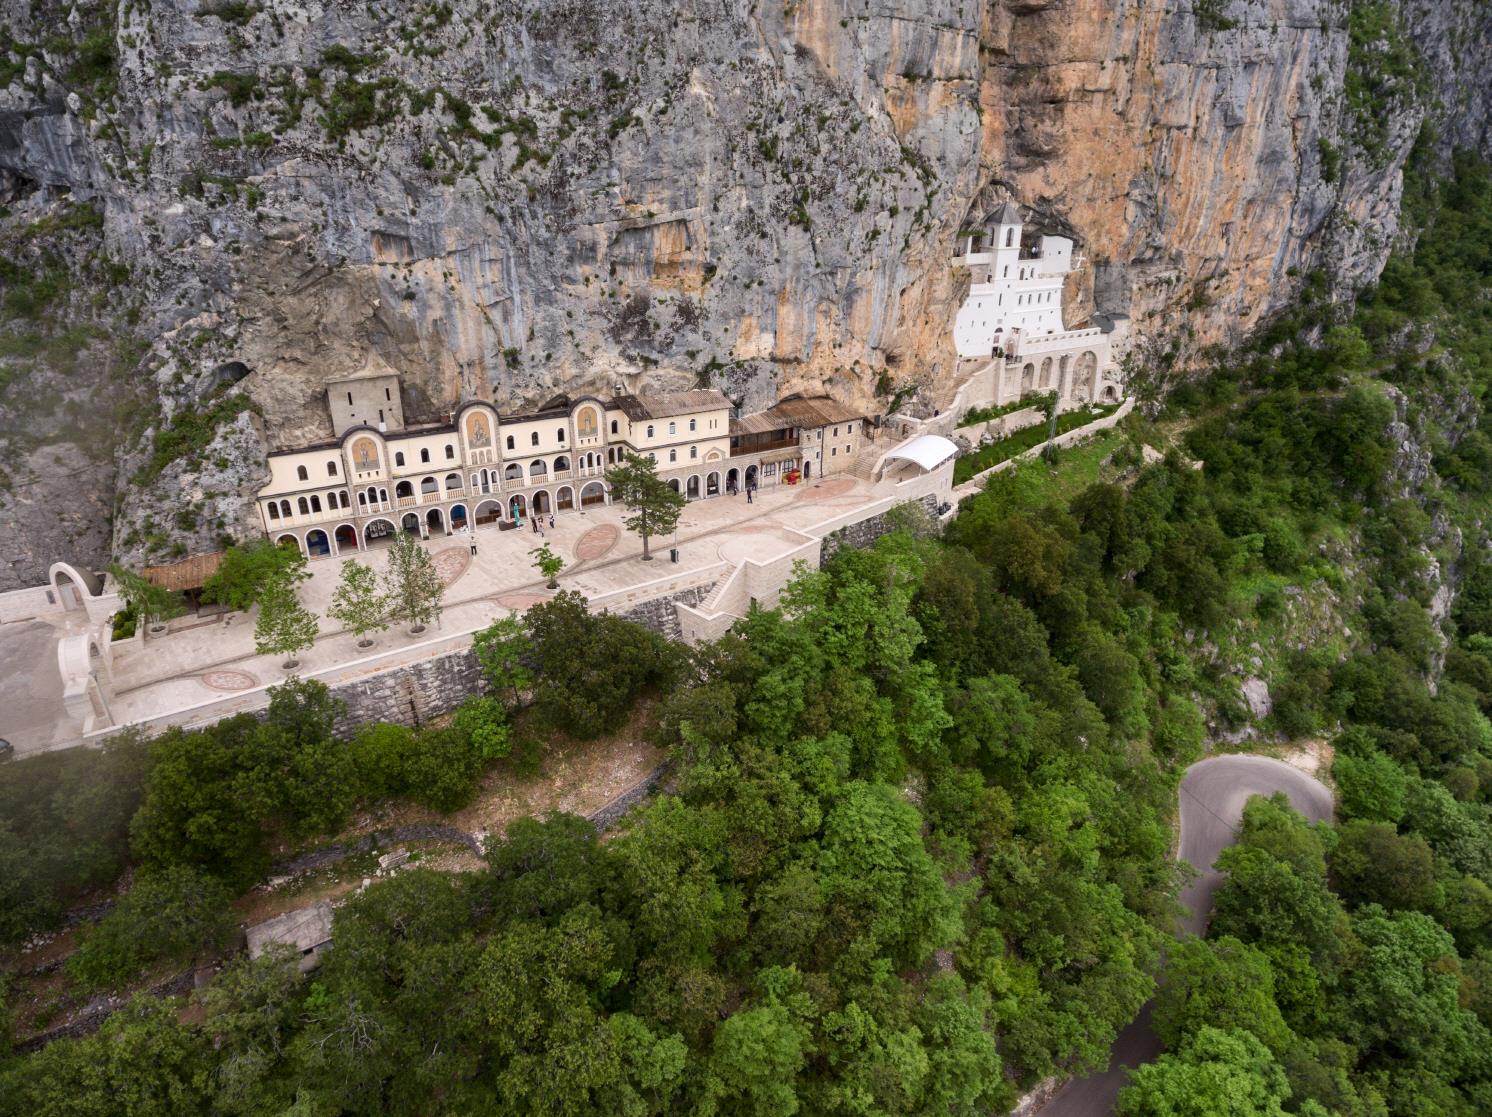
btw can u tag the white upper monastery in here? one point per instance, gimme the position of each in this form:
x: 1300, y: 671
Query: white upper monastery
x: 1010, y: 326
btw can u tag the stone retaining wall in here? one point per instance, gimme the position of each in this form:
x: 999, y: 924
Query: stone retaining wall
x: 412, y: 694
x: 863, y: 534
x: 660, y: 615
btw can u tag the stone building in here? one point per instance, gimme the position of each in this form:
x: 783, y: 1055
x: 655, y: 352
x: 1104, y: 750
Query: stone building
x: 1010, y: 328
x: 480, y: 466
x: 818, y: 436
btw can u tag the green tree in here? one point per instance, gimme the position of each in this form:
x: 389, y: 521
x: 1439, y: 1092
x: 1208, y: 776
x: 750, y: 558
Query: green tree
x: 1223, y: 983
x: 148, y: 601
x: 504, y: 650
x: 246, y: 571
x: 655, y: 506
x: 284, y: 626
x: 548, y: 564
x: 484, y: 720
x: 1374, y: 864
x: 413, y: 587
x: 755, y: 1060
x: 1370, y: 784
x: 1216, y: 1074
x: 177, y: 913
x: 358, y: 604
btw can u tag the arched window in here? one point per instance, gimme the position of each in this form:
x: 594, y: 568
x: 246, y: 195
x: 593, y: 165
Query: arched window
x: 613, y: 426
x: 285, y: 508
x: 673, y: 455
x: 274, y: 512
x: 300, y: 503
x: 315, y: 503
x: 342, y: 499
x: 560, y: 434
x: 510, y: 442
x: 1009, y: 237
x: 399, y: 458
x: 533, y: 439
x: 673, y: 428
x: 650, y: 430
x: 450, y: 452
x: 331, y: 469
x: 424, y: 454
x: 301, y: 474
x: 691, y: 424
x: 694, y: 451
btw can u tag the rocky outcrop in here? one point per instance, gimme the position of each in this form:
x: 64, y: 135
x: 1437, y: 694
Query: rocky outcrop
x: 510, y: 199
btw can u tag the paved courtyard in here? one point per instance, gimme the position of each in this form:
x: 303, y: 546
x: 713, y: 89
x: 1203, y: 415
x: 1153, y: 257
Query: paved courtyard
x: 203, y: 660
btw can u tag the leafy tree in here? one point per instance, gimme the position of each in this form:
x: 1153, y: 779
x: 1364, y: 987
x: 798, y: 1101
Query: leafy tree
x: 1373, y: 864
x: 253, y: 1010
x: 246, y: 571
x: 284, y: 626
x: 177, y: 913
x: 1216, y: 1074
x: 655, y: 506
x: 146, y: 599
x: 548, y: 564
x: 504, y: 650
x: 485, y: 723
x: 413, y: 588
x: 1371, y: 785
x: 357, y: 602
x: 1223, y: 984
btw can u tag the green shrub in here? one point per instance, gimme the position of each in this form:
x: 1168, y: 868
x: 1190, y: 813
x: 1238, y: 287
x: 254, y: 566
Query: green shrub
x: 484, y: 720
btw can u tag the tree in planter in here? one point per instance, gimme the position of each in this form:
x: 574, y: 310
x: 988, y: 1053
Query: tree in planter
x: 655, y: 506
x: 148, y: 601
x: 548, y: 564
x: 285, y: 626
x: 358, y: 604
x: 246, y: 572
x: 414, y: 589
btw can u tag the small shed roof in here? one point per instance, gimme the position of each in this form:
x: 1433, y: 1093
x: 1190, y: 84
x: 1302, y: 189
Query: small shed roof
x: 188, y: 574
x: 926, y: 450
x: 305, y: 929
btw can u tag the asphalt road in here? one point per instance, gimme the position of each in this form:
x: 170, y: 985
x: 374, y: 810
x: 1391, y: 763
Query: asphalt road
x: 1213, y: 793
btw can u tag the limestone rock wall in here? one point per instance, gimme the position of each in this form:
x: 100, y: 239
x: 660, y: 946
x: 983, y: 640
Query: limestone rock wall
x: 511, y: 198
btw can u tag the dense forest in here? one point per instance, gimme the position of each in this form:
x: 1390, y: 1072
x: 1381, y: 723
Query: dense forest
x: 914, y: 855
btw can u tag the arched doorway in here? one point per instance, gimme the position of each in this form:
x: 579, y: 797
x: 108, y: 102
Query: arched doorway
x: 377, y: 533
x: 317, y: 544
x: 489, y: 512
x: 732, y: 480
x: 807, y: 468
x: 593, y: 493
x: 1028, y: 378
x: 434, y: 519
x: 517, y: 508
x: 564, y: 500
x: 751, y: 476
x: 712, y: 485
x: 542, y: 507
x: 411, y: 523
x: 1110, y: 394
x: 345, y: 537
x: 674, y: 484
x: 292, y: 540
x: 691, y: 489
x: 73, y: 586
x: 458, y: 517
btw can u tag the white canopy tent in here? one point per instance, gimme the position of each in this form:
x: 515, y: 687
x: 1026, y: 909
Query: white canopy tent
x: 926, y: 451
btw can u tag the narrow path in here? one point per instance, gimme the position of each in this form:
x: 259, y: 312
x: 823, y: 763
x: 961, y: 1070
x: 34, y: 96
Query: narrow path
x: 1213, y: 793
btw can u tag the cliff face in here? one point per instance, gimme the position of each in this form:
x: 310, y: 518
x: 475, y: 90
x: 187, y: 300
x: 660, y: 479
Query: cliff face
x: 517, y: 198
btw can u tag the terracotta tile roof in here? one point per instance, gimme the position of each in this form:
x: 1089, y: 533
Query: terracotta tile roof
x: 821, y: 411
x: 188, y: 574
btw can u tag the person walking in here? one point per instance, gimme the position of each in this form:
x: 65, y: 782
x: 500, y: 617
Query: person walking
x: 551, y: 521
x: 750, y: 488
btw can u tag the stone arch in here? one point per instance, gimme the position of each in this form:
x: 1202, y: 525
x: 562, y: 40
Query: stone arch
x: 594, y: 492
x: 318, y: 543
x: 458, y: 517
x: 673, y: 484
x: 713, y: 456
x: 1087, y: 373
x: 379, y: 530
x: 410, y: 522
x: 538, y: 470
x: 1110, y: 394
x: 345, y: 536
x: 542, y: 505
x: 561, y: 463
x: 691, y: 488
x: 732, y: 479
x: 289, y: 537
x: 453, y: 481
x: 712, y: 484
x: 489, y: 512
x: 517, y: 507
x: 1046, y: 374
x: 435, y: 519
x: 403, y: 490
x: 1028, y: 377
x: 73, y: 586
x: 564, y: 498
x: 513, y: 472
x: 429, y: 486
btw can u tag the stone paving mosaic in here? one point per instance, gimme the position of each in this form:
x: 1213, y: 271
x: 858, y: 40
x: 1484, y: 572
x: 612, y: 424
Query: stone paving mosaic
x: 228, y: 680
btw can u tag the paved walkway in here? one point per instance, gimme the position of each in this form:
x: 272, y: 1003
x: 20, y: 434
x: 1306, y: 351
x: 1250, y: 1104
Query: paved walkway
x: 202, y: 662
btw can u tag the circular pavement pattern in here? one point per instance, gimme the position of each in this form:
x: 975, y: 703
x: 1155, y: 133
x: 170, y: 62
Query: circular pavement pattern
x: 521, y: 601
x: 451, y: 563
x: 835, y: 486
x: 228, y: 679
x: 596, y: 542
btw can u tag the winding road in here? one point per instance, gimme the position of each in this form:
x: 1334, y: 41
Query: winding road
x: 1213, y: 793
